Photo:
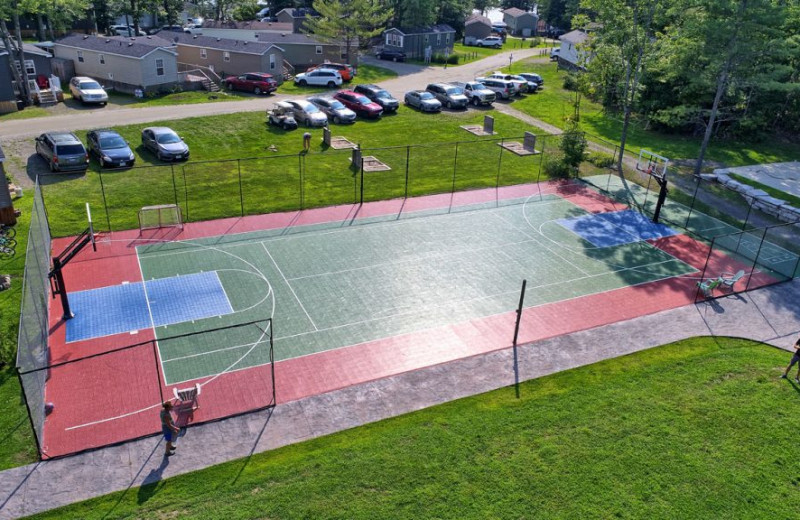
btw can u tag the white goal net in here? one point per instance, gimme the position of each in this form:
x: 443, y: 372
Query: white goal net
x: 165, y: 215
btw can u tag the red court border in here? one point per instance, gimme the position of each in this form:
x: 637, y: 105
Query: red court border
x: 80, y: 397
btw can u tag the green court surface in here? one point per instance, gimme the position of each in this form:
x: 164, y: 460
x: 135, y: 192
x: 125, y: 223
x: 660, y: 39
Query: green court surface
x: 332, y: 285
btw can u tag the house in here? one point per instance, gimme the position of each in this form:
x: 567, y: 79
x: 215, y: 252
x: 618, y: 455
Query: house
x: 572, y: 54
x: 296, y: 17
x: 243, y: 30
x: 149, y: 64
x: 417, y: 42
x: 39, y: 66
x: 301, y: 51
x: 227, y: 57
x: 520, y: 23
x: 477, y: 27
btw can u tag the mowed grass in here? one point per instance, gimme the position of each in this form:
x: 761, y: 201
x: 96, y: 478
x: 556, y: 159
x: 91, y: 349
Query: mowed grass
x: 554, y: 105
x: 210, y: 184
x: 365, y: 74
x: 697, y: 429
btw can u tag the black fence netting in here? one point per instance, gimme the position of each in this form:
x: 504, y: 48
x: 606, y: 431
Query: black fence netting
x: 32, y: 351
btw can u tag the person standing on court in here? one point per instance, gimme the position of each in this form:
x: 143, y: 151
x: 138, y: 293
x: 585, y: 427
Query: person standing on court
x: 168, y: 428
x: 795, y: 359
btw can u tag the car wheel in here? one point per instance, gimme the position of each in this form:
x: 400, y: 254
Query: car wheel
x: 257, y: 91
x: 285, y: 126
x: 229, y: 86
x: 80, y: 98
x: 308, y: 123
x: 449, y: 105
x: 302, y: 83
x: 394, y: 58
x: 158, y: 156
x: 331, y: 84
x: 336, y: 120
x: 52, y: 166
x: 476, y: 101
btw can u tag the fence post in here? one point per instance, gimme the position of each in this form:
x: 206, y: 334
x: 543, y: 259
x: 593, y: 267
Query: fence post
x: 455, y: 169
x: 185, y: 192
x: 755, y: 260
x: 300, y: 175
x: 158, y: 374
x: 747, y: 217
x: 705, y: 267
x: 105, y: 204
x: 241, y: 193
x: 541, y: 164
x: 499, y: 162
x: 30, y: 415
x: 408, y: 159
x: 691, y: 206
x: 361, y: 161
x: 174, y: 186
x: 516, y: 334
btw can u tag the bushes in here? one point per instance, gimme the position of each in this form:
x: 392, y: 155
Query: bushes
x: 440, y: 58
x: 571, y: 82
x: 535, y: 42
x: 600, y: 159
x: 556, y: 168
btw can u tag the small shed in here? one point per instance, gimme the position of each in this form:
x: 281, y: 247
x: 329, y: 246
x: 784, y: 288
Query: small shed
x: 296, y: 17
x: 477, y: 27
x: 416, y: 42
x: 521, y: 23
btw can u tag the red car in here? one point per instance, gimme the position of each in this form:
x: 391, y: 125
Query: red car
x: 346, y: 70
x: 255, y: 82
x: 360, y: 104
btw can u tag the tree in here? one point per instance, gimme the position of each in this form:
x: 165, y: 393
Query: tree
x: 485, y: 5
x: 415, y: 13
x: 351, y: 23
x: 573, y: 146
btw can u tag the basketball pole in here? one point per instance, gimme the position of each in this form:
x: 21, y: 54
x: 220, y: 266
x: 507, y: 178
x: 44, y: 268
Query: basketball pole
x: 662, y: 196
x: 516, y: 335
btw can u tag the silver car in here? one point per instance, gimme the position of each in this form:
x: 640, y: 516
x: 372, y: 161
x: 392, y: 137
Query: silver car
x: 334, y: 109
x: 164, y: 143
x: 307, y: 113
x: 87, y: 90
x: 423, y: 100
x: 450, y: 95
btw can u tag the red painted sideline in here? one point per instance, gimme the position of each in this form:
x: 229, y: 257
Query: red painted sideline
x: 90, y: 391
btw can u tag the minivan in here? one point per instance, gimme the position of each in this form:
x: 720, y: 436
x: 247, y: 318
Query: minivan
x: 62, y: 151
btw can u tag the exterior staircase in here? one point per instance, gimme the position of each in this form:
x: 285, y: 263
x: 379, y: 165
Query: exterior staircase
x: 210, y: 85
x: 288, y: 71
x: 47, y: 98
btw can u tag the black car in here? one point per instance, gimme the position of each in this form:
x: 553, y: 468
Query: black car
x: 110, y: 149
x: 390, y: 54
x: 379, y: 96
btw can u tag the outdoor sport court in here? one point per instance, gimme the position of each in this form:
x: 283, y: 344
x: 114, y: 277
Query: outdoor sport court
x: 347, y: 294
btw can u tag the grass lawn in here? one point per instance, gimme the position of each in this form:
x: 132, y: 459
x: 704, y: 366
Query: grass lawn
x: 366, y: 74
x: 178, y: 98
x: 773, y: 192
x: 553, y: 105
x: 28, y: 113
x: 697, y: 429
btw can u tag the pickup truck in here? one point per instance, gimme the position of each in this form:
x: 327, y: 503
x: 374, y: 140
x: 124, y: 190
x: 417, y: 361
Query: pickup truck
x: 476, y: 92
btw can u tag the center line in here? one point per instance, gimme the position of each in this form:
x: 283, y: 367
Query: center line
x: 290, y: 287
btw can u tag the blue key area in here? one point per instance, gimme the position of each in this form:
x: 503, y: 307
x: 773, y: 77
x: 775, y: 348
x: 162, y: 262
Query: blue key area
x: 123, y: 308
x: 615, y: 228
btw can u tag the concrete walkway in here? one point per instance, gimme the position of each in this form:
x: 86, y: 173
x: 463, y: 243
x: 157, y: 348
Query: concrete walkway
x: 771, y: 314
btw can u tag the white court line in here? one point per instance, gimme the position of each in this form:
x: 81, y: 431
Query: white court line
x: 215, y: 351
x: 146, y: 297
x: 289, y: 285
x: 216, y: 273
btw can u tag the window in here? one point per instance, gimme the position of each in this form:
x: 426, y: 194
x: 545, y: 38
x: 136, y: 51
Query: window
x: 319, y: 49
x: 399, y: 40
x: 159, y: 67
x: 203, y: 54
x: 426, y: 38
x: 30, y: 67
x: 226, y: 56
x: 80, y: 56
x: 102, y: 59
x: 271, y: 62
x: 389, y: 40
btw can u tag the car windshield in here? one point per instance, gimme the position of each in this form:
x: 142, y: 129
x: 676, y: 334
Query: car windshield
x: 89, y: 85
x: 382, y: 94
x: 70, y: 149
x: 454, y: 91
x: 112, y: 142
x: 337, y: 105
x: 168, y: 139
x: 479, y: 86
x: 311, y: 109
x: 362, y: 100
x: 425, y: 95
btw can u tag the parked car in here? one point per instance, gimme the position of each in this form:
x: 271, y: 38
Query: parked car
x: 346, y: 70
x: 520, y: 85
x: 282, y: 115
x: 504, y: 89
x: 555, y: 53
x: 255, y: 82
x: 490, y: 41
x: 62, y: 151
x: 193, y: 28
x: 172, y: 28
x: 359, y: 104
x: 533, y: 77
x: 164, y: 143
x: 320, y: 78
x: 527, y: 85
x: 378, y: 95
x: 307, y: 113
x: 87, y: 90
x: 111, y: 150
x: 476, y: 92
x: 449, y: 95
x: 125, y: 30
x: 334, y: 109
x: 423, y: 100
x: 390, y: 54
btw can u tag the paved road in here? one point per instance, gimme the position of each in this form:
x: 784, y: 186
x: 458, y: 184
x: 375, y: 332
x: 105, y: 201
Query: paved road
x: 412, y: 77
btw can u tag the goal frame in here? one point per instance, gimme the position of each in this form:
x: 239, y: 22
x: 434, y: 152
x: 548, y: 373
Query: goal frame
x: 167, y: 215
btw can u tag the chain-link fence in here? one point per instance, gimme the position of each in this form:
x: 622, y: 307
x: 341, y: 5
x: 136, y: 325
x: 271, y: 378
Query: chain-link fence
x: 32, y: 352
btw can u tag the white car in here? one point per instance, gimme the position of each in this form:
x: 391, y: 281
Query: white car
x: 87, y: 90
x: 490, y: 41
x: 320, y: 78
x: 125, y: 30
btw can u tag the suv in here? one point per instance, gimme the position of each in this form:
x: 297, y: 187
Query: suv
x: 87, y: 90
x: 307, y: 113
x: 490, y: 41
x: 449, y: 95
x: 532, y: 77
x: 320, y: 78
x: 378, y: 95
x: 359, y: 104
x: 555, y: 52
x: 520, y: 85
x: 255, y: 82
x: 347, y: 71
x: 476, y: 92
x: 390, y: 54
x: 504, y: 89
x: 62, y: 151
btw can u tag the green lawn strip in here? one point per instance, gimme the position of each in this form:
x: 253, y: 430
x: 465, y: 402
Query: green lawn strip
x: 554, y: 105
x: 211, y: 189
x: 28, y: 113
x: 188, y: 97
x: 697, y: 429
x: 16, y: 438
x: 773, y: 192
x: 366, y: 74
